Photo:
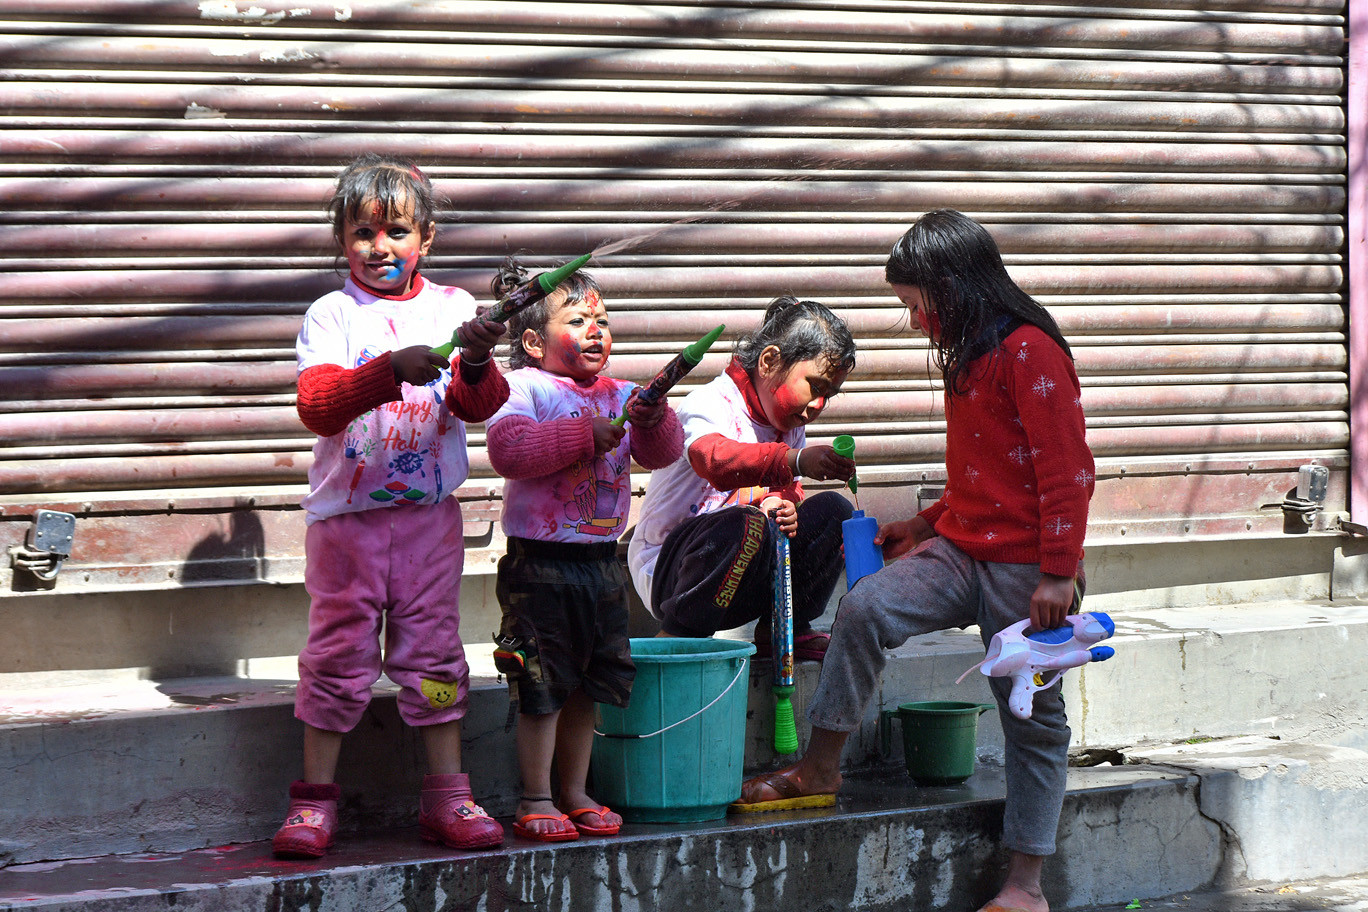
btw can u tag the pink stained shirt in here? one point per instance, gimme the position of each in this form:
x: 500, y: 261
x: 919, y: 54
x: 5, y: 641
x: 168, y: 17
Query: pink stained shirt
x: 542, y: 442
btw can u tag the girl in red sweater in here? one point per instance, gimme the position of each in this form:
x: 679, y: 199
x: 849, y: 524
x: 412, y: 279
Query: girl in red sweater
x: 1004, y: 542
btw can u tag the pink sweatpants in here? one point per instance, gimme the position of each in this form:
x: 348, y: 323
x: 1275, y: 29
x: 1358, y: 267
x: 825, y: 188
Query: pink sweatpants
x: 402, y: 564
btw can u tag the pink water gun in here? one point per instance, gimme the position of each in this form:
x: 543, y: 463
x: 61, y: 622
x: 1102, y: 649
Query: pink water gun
x: 1025, y: 658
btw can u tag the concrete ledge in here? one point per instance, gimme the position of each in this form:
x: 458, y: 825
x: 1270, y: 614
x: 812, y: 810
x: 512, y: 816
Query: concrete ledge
x: 186, y: 764
x: 1287, y: 810
x: 887, y: 846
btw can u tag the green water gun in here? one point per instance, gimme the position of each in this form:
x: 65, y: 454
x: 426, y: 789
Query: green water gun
x: 673, y: 372
x: 520, y: 298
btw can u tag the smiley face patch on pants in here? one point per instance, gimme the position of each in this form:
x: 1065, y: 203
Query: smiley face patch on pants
x: 440, y: 694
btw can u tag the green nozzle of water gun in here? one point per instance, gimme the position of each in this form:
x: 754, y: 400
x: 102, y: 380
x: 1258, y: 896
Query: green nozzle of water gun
x: 844, y: 445
x: 694, y: 351
x: 446, y: 348
x: 785, y: 729
x: 549, y: 280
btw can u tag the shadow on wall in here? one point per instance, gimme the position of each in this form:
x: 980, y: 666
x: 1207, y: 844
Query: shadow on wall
x: 238, y: 553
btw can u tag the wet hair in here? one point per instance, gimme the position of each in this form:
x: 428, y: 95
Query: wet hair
x: 956, y: 264
x: 397, y: 184
x: 577, y: 286
x: 801, y: 331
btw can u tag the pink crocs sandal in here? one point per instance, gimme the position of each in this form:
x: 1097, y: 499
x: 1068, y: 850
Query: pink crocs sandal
x: 309, y: 823
x: 449, y: 815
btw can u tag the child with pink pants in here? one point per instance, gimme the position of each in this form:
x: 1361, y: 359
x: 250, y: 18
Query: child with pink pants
x: 384, y: 546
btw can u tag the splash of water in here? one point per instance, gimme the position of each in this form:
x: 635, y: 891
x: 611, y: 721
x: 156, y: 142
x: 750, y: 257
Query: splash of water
x: 633, y: 241
x: 807, y: 168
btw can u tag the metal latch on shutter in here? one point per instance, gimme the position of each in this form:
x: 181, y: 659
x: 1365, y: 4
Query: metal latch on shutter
x: 1303, y: 502
x: 48, y: 545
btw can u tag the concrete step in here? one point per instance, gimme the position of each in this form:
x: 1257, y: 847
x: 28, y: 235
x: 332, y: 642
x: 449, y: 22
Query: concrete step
x: 1127, y: 831
x: 1132, y: 833
x: 176, y: 765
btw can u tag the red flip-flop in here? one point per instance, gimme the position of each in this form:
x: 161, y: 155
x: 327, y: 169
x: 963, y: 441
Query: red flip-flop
x: 587, y: 830
x: 520, y: 827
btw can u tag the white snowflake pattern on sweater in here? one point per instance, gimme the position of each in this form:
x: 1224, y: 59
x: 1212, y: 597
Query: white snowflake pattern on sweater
x: 1026, y: 498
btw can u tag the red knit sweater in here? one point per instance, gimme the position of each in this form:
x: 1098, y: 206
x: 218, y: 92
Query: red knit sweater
x: 1019, y: 472
x: 331, y: 396
x: 728, y: 464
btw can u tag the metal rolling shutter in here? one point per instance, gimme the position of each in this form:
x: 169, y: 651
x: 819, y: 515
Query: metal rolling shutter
x: 1168, y: 178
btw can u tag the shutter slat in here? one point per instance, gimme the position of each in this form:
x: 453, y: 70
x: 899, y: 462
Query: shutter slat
x: 1168, y: 179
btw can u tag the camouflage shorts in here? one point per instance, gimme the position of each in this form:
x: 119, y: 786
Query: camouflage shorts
x: 565, y: 610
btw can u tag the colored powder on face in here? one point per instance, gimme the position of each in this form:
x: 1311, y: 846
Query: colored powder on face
x: 787, y: 401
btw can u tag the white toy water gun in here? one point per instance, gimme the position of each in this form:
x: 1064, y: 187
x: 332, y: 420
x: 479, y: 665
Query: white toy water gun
x: 1026, y: 657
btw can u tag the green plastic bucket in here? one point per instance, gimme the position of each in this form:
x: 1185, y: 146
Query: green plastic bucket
x: 939, y: 739
x: 675, y: 753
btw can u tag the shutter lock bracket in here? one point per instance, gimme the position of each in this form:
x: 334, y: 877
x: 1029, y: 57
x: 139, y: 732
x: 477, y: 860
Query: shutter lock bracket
x: 47, y: 546
x: 1304, y: 502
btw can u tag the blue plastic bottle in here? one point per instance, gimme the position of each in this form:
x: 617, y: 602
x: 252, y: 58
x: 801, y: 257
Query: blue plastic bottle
x: 862, y: 556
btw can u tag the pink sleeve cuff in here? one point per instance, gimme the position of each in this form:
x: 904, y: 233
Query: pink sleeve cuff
x: 657, y: 447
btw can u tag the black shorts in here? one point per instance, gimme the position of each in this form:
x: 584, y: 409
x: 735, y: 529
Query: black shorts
x: 716, y: 570
x: 565, y: 612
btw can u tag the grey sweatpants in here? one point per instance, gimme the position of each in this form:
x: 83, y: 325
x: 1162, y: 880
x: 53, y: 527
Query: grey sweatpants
x: 934, y: 588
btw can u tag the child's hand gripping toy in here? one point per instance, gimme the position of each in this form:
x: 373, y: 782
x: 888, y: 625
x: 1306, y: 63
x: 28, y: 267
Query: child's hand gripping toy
x: 1026, y: 657
x: 673, y: 372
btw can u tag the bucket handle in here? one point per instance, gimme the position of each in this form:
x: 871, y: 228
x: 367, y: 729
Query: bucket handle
x: 886, y: 717
x: 741, y: 669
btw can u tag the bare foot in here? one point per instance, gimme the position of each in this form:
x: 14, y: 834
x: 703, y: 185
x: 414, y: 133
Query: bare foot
x: 576, y: 801
x: 609, y: 818
x: 591, y: 819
